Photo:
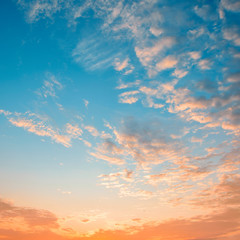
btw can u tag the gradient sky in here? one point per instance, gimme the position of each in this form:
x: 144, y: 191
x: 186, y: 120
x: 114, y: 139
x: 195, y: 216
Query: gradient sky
x: 120, y: 119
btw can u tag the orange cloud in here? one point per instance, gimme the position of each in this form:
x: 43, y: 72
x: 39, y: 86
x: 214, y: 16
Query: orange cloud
x: 223, y: 225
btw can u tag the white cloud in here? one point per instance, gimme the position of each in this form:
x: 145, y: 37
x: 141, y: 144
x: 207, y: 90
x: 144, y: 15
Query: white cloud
x: 179, y: 73
x: 232, y: 34
x: 129, y: 97
x: 92, y: 130
x: 37, y: 9
x: 166, y: 63
x: 147, y: 54
x: 231, y: 5
x: 123, y: 85
x: 204, y: 64
x: 50, y: 86
x: 40, y: 126
x: 156, y: 31
x: 195, y: 55
x: 119, y: 66
x: 86, y: 102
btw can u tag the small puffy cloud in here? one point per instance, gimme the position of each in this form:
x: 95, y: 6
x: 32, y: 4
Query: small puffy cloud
x: 231, y: 5
x: 147, y: 54
x: 166, y: 63
x: 237, y: 55
x: 204, y: 64
x: 156, y: 31
x: 195, y: 55
x: 234, y: 78
x: 123, y: 65
x: 129, y: 97
x: 64, y: 192
x: 86, y: 102
x: 120, y: 65
x: 196, y: 33
x: 92, y: 130
x: 123, y: 85
x: 73, y: 130
x: 179, y: 73
x: 206, y: 12
x: 232, y: 34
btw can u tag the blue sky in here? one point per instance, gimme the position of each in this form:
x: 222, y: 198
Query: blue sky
x: 112, y: 111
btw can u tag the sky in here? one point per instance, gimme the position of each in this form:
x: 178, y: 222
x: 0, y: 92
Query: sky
x: 120, y: 120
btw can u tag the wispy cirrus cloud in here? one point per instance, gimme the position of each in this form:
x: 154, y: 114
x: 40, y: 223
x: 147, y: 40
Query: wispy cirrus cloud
x: 40, y: 126
x: 50, y: 86
x: 89, y: 53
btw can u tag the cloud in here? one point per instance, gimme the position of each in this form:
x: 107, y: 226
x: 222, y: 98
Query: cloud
x: 147, y: 55
x: 143, y: 143
x: 123, y: 65
x: 41, y: 9
x: 216, y: 103
x: 92, y: 130
x: 216, y: 225
x: 94, y: 54
x: 73, y: 130
x: 232, y: 34
x: 179, y: 73
x: 207, y: 85
x: 156, y: 31
x: 119, y: 66
x: 167, y: 62
x: 110, y: 159
x: 86, y: 102
x: 231, y: 5
x: 117, y: 179
x: 201, y: 101
x: 29, y: 218
x: 41, y: 129
x: 195, y: 55
x: 220, y: 225
x: 50, y: 86
x: 234, y: 78
x: 123, y: 85
x: 129, y: 97
x: 40, y: 126
x: 64, y: 192
x: 206, y: 12
x: 225, y: 193
x: 204, y: 64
